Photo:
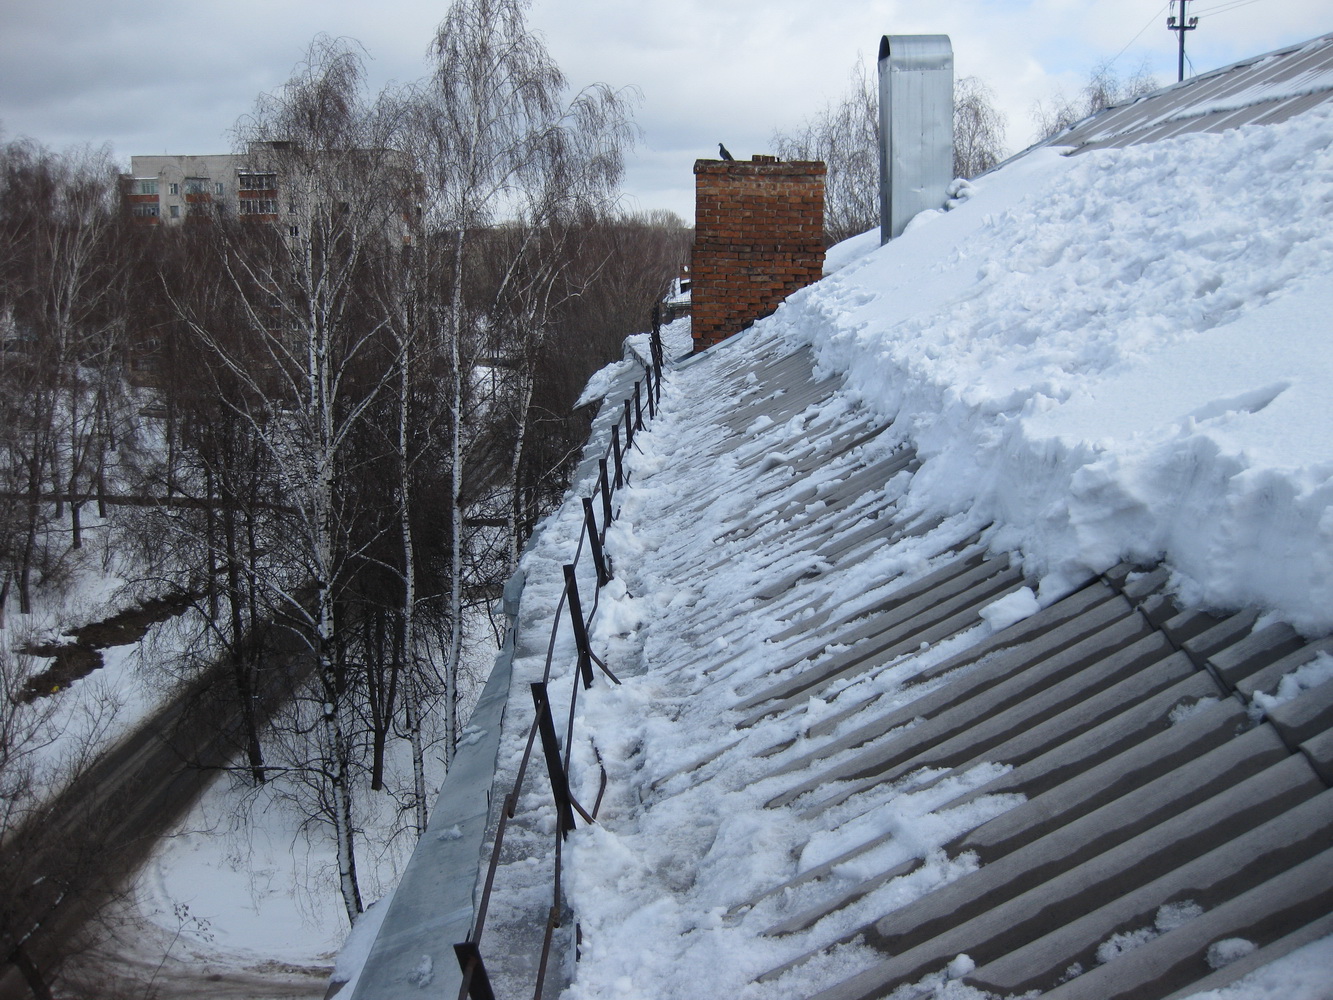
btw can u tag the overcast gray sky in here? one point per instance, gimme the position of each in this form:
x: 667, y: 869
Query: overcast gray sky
x: 155, y: 76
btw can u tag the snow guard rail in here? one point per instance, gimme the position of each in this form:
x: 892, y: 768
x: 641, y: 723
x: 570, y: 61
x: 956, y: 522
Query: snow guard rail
x: 612, y: 475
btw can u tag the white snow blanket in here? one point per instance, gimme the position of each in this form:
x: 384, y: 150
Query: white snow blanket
x: 1126, y: 353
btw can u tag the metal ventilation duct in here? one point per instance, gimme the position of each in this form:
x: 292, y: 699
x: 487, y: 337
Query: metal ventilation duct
x: 915, y: 127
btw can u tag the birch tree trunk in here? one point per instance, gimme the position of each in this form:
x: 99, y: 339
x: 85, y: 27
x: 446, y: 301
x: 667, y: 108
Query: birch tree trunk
x: 410, y: 652
x: 456, y: 431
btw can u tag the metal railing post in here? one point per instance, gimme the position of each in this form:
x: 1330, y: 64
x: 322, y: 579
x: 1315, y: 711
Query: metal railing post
x: 629, y: 423
x: 638, y: 409
x: 580, y: 626
x: 595, y: 543
x: 656, y: 344
x: 606, y: 495
x: 615, y: 451
x: 564, y: 802
x: 476, y: 984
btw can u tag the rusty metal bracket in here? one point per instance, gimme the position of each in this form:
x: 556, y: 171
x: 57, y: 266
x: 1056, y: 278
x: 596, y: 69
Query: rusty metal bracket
x: 476, y: 984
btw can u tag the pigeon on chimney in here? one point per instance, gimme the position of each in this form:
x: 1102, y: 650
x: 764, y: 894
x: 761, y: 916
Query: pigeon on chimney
x: 725, y: 154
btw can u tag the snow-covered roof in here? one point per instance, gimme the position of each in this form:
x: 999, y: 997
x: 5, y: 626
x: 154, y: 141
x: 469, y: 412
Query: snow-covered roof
x: 967, y: 614
x: 852, y: 745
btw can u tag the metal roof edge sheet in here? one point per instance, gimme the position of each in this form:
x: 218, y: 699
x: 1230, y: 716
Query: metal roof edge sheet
x: 433, y: 905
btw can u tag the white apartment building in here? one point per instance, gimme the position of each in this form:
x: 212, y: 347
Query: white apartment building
x: 166, y: 189
x: 170, y: 189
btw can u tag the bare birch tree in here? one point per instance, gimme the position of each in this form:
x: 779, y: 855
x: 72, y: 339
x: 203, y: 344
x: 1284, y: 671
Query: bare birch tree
x: 845, y: 136
x: 978, y: 128
x: 63, y: 307
x: 493, y: 135
x: 308, y: 363
x: 1102, y: 89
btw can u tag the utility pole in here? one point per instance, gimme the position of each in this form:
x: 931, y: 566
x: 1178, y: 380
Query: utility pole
x: 1181, y: 25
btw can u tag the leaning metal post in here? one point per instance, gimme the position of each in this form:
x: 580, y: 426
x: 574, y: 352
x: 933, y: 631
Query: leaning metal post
x: 606, y: 495
x: 564, y: 802
x: 476, y: 984
x: 595, y: 543
x: 580, y: 627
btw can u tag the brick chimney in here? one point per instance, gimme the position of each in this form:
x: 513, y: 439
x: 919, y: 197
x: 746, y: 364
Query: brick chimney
x: 758, y: 237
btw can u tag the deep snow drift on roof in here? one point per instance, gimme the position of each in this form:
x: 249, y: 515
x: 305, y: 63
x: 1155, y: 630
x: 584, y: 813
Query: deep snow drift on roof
x: 1119, y: 355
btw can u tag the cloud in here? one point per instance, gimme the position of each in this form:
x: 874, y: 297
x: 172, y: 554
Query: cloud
x: 157, y: 76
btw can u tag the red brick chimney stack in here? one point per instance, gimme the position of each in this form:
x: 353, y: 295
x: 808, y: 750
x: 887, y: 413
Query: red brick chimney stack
x: 758, y: 237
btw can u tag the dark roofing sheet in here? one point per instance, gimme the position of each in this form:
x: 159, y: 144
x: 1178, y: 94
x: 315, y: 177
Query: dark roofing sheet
x: 1262, y: 90
x: 1127, y: 724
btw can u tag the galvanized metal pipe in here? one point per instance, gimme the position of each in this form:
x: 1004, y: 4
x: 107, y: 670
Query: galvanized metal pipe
x: 915, y: 128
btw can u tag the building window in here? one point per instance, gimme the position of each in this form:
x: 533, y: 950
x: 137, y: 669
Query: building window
x: 295, y: 231
x: 174, y: 188
x: 257, y: 182
x: 196, y: 185
x: 145, y: 211
x: 217, y: 188
x: 259, y: 206
x: 175, y: 210
x: 145, y: 185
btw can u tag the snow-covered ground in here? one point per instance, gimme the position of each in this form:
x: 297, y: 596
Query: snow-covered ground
x: 1119, y: 355
x: 239, y: 891
x: 81, y: 722
x: 242, y: 898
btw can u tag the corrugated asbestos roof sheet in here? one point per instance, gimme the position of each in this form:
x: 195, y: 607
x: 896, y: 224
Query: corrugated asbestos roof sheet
x: 1125, y: 721
x: 1262, y: 90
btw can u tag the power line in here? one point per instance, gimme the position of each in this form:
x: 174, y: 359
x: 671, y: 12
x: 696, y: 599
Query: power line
x: 1181, y: 25
x: 1224, y: 8
x: 1146, y: 25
